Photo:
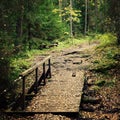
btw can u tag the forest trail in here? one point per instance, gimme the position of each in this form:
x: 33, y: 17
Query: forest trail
x: 63, y: 91
x: 69, y: 63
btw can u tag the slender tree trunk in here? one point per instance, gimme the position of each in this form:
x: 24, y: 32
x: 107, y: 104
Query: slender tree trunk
x: 60, y: 8
x: 29, y: 25
x: 96, y: 15
x: 29, y: 35
x: 19, y: 24
x: 86, y: 16
x: 71, y: 22
x: 64, y: 3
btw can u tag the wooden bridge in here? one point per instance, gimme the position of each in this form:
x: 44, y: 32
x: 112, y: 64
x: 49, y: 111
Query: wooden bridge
x: 60, y: 91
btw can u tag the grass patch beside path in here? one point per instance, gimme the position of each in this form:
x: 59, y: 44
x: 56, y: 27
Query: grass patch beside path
x: 106, y: 62
x: 107, y: 54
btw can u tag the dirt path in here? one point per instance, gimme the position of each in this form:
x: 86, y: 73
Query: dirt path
x: 63, y: 91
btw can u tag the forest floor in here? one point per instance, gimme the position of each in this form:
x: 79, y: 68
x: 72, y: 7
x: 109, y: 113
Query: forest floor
x: 101, y: 94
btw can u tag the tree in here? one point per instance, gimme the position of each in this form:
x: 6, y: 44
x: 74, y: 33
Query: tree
x: 60, y: 8
x: 86, y: 15
x: 114, y: 11
x: 71, y: 21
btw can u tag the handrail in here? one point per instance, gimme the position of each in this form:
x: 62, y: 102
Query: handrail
x: 25, y: 73
x: 38, y: 78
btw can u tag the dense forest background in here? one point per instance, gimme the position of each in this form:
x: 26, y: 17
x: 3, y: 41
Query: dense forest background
x: 27, y: 24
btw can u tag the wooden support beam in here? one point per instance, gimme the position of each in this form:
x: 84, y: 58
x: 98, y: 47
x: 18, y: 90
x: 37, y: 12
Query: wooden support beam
x: 36, y: 80
x: 23, y: 93
x: 44, y: 75
x: 49, y: 63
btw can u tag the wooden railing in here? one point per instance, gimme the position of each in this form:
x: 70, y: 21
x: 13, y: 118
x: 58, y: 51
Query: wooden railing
x: 38, y: 79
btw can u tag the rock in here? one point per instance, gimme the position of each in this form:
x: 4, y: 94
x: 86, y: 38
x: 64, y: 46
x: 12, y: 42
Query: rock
x: 87, y: 108
x: 77, y: 62
x: 55, y: 44
x: 42, y: 46
x: 74, y: 74
x: 90, y: 82
x: 92, y: 100
x: 85, y: 56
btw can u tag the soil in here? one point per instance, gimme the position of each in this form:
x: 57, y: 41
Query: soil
x: 102, y: 99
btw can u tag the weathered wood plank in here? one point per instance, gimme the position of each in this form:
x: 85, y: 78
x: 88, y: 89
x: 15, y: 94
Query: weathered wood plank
x: 59, y: 95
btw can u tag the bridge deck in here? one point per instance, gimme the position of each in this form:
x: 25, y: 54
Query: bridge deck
x: 63, y: 91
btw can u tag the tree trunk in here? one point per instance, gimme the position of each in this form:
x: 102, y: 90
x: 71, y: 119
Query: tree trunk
x: 86, y: 10
x: 118, y: 38
x: 29, y: 36
x: 19, y: 29
x: 60, y: 9
x: 19, y: 24
x: 71, y: 22
x: 96, y: 15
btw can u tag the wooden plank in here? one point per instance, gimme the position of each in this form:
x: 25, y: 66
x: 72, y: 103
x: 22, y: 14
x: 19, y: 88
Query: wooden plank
x: 59, y: 95
x: 33, y: 113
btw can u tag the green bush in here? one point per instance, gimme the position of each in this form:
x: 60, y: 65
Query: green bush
x: 107, y: 39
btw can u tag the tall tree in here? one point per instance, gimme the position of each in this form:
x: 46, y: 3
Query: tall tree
x: 19, y: 22
x: 71, y: 19
x: 60, y: 8
x: 114, y: 11
x: 86, y: 16
x: 96, y: 15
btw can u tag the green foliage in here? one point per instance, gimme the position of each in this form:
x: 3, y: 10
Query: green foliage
x: 114, y: 14
x: 5, y: 57
x: 64, y: 43
x: 37, y: 42
x: 106, y: 52
x: 96, y: 88
x: 67, y: 11
x: 21, y: 62
x: 107, y: 39
x: 100, y: 83
x: 18, y: 65
x: 106, y: 83
x: 48, y: 25
x: 110, y: 83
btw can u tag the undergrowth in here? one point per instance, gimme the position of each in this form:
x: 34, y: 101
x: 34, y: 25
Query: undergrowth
x: 106, y: 60
x: 106, y: 52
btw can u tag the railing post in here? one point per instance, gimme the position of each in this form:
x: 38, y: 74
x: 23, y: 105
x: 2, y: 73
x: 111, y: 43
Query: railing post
x: 44, y: 75
x: 23, y: 92
x: 36, y: 80
x: 49, y: 65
